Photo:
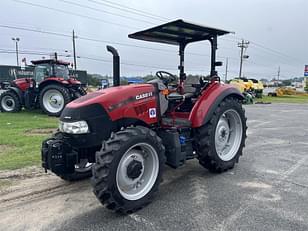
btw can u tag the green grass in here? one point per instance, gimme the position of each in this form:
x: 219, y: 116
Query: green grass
x: 284, y: 99
x: 18, y: 147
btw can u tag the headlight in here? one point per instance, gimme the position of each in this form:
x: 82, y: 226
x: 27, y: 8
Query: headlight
x: 79, y: 127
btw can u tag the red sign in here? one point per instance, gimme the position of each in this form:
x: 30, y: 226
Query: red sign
x: 306, y: 68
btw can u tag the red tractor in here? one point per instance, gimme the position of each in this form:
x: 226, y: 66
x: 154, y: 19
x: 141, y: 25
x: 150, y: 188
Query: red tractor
x: 126, y: 134
x: 50, y: 89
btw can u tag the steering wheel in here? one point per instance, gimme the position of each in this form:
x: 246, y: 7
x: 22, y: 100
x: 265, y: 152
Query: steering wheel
x: 166, y: 77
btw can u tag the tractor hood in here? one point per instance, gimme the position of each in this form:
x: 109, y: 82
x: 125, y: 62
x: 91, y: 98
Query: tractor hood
x: 101, y: 108
x: 130, y: 101
x: 115, y: 96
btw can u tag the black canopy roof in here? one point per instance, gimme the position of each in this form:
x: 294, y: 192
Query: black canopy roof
x: 178, y: 32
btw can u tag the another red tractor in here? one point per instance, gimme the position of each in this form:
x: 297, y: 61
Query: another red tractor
x: 126, y: 134
x: 50, y: 89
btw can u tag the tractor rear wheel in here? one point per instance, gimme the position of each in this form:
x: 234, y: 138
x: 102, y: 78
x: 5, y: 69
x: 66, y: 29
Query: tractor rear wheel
x: 79, y: 92
x: 53, y: 99
x: 82, y: 91
x: 128, y: 169
x: 9, y: 102
x: 220, y: 142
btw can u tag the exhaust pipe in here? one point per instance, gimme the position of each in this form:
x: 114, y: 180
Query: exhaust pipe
x: 116, y: 65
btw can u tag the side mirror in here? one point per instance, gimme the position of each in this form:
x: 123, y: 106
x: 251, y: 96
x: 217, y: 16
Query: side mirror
x: 218, y: 64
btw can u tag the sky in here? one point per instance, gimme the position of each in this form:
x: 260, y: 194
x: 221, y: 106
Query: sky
x: 276, y: 29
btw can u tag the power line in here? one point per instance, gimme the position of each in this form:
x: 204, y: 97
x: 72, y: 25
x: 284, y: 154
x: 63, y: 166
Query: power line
x: 132, y: 10
x: 96, y: 40
x: 73, y: 13
x: 8, y: 51
x: 271, y: 50
x: 34, y: 30
x: 274, y: 51
x: 104, y: 11
x: 126, y: 26
x: 100, y: 41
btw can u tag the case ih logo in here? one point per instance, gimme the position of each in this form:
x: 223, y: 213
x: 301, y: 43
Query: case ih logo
x: 144, y: 95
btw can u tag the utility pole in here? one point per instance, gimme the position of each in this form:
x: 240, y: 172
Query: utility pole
x: 243, y: 45
x: 74, y: 50
x: 16, y: 40
x: 278, y: 74
x: 226, y: 73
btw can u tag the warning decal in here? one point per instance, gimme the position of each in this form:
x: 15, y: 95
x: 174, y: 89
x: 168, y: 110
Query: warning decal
x: 152, y: 112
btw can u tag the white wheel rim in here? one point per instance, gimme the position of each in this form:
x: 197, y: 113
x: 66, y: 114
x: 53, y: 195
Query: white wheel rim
x: 137, y: 188
x: 228, y: 135
x: 8, y: 103
x: 53, y: 101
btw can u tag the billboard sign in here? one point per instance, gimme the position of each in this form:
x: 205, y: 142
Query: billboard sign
x: 9, y: 73
x: 306, y: 70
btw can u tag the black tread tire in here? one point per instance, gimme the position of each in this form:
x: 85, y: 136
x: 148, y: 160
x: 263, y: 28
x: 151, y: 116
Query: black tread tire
x: 82, y: 91
x: 14, y: 97
x: 78, y: 93
x: 64, y: 91
x: 107, y: 160
x: 205, y: 138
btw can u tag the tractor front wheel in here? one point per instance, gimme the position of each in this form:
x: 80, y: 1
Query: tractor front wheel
x: 128, y: 169
x: 9, y: 102
x: 53, y: 99
x: 220, y: 142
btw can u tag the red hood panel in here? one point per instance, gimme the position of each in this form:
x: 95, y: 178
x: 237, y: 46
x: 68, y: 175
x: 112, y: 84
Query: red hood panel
x: 130, y: 101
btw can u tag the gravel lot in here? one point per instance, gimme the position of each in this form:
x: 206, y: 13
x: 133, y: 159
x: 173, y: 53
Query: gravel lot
x: 268, y: 189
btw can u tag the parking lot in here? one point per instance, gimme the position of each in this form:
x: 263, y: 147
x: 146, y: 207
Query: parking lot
x: 267, y: 190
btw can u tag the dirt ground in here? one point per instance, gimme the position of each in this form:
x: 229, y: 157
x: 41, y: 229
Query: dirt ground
x: 268, y: 189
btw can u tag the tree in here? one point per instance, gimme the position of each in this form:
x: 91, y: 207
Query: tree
x: 92, y: 81
x: 286, y: 82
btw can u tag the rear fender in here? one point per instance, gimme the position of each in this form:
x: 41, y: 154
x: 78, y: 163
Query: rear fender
x: 209, y: 101
x: 59, y: 81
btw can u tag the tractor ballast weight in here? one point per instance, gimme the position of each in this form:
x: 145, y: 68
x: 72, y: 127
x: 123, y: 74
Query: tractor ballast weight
x: 124, y: 135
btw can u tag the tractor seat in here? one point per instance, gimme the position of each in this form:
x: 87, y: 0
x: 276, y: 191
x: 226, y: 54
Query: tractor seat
x: 177, y: 122
x: 190, y: 84
x: 175, y: 96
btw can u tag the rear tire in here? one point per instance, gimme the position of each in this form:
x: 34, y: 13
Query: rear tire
x: 53, y: 99
x: 9, y: 102
x: 128, y: 169
x: 82, y: 91
x: 78, y: 93
x: 217, y: 146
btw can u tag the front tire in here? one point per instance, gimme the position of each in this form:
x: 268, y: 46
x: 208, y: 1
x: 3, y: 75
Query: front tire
x: 128, y: 169
x: 220, y: 142
x: 9, y: 102
x: 53, y: 99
